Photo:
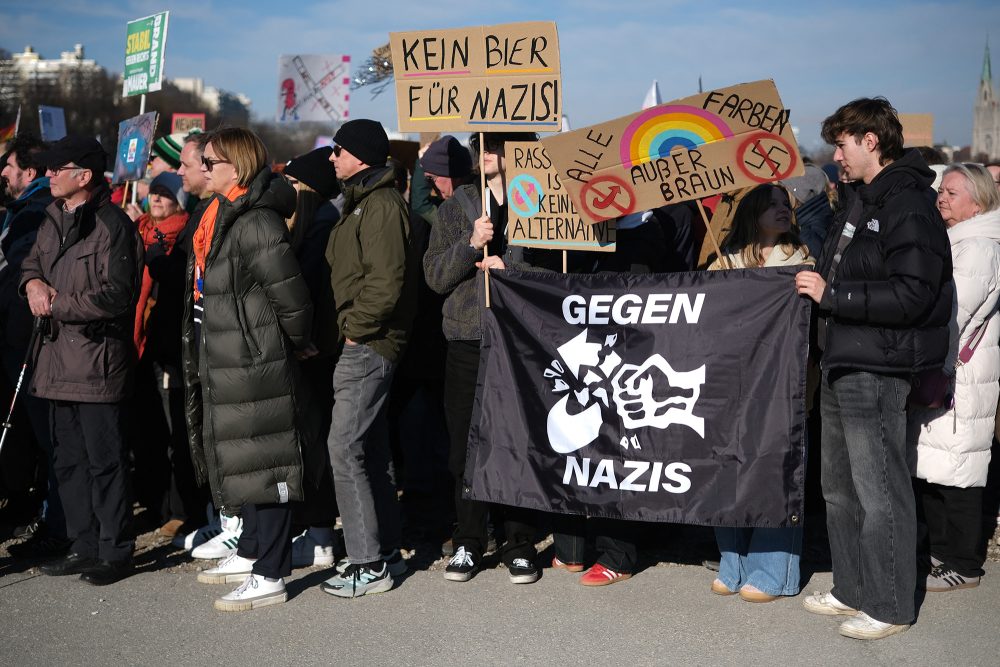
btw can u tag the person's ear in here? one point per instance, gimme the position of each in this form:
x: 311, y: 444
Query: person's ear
x: 870, y: 141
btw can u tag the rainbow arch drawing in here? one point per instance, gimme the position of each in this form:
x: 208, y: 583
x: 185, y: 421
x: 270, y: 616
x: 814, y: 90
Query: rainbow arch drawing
x: 657, y: 131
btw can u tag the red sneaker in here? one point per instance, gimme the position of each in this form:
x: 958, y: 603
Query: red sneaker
x: 598, y: 575
x: 569, y: 567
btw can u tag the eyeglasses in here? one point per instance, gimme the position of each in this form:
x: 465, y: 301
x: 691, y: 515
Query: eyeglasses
x: 56, y: 170
x: 337, y: 150
x: 208, y: 163
x: 490, y: 145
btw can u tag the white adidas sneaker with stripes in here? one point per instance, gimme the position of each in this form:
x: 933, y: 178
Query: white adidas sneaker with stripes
x: 224, y: 544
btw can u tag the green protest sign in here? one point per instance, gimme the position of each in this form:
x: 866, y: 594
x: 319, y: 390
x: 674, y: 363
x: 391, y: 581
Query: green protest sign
x: 145, y: 42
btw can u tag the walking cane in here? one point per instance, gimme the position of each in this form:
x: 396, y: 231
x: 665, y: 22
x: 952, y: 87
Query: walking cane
x: 29, y: 358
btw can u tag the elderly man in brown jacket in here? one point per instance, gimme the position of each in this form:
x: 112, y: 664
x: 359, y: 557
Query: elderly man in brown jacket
x: 83, y: 275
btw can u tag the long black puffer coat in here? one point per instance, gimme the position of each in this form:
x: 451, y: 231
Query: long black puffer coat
x: 242, y: 383
x: 889, y: 305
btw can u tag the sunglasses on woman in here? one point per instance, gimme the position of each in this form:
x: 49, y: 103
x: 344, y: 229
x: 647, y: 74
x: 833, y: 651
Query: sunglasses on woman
x: 209, y: 163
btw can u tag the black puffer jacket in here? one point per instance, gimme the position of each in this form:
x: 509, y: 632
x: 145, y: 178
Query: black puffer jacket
x: 247, y: 440
x: 888, y: 306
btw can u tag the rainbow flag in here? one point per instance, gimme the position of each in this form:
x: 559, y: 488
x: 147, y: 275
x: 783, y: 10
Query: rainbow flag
x: 7, y: 133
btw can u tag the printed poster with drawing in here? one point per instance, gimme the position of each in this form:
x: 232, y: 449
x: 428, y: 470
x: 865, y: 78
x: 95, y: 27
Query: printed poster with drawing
x: 135, y: 140
x: 644, y: 397
x: 713, y: 142
x: 313, y: 88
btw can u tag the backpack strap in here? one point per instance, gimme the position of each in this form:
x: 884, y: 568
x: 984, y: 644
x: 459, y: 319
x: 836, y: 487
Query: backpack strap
x: 471, y: 207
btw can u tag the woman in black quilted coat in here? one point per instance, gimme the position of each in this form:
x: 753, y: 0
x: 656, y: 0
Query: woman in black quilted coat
x: 249, y: 316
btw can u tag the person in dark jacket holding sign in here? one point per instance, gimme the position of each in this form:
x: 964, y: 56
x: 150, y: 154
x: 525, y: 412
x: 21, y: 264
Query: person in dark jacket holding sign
x: 248, y: 317
x: 450, y: 266
x: 83, y: 275
x: 884, y: 287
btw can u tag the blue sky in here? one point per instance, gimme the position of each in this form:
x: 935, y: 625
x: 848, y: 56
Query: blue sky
x: 926, y: 57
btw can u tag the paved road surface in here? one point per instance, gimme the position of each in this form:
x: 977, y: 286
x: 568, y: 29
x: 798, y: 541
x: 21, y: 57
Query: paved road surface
x: 664, y: 615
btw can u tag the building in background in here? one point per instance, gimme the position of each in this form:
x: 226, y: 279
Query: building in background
x: 986, y: 116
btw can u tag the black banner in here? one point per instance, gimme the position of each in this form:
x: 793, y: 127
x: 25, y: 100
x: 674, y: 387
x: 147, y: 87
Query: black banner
x: 668, y: 397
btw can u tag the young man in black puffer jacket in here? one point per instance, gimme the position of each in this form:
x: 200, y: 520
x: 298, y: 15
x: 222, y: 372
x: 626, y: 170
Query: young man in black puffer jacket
x: 884, y: 287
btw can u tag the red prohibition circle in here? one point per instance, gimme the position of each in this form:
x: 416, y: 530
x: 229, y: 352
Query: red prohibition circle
x: 754, y: 141
x: 606, y: 206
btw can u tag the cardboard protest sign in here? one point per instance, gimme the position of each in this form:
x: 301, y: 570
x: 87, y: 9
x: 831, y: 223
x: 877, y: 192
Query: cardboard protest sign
x: 52, y: 123
x: 481, y: 79
x: 540, y: 213
x: 135, y: 140
x: 709, y: 143
x: 186, y: 122
x: 918, y: 129
x: 313, y: 88
x: 145, y: 43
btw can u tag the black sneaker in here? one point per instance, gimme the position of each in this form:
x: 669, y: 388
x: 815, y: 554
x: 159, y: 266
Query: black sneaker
x: 396, y: 563
x: 462, y: 566
x: 39, y: 546
x: 107, y: 572
x: 28, y: 530
x: 522, y: 571
x: 73, y: 563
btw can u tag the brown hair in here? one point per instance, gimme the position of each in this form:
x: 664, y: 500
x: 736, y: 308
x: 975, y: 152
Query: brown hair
x: 242, y: 148
x: 744, y: 237
x: 865, y: 115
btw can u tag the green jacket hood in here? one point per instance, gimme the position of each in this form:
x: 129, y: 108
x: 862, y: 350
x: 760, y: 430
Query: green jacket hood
x: 379, y: 177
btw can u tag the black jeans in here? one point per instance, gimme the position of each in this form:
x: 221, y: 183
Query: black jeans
x: 89, y: 453
x: 461, y: 371
x: 615, y: 541
x: 870, y: 509
x: 954, y: 521
x: 267, y: 537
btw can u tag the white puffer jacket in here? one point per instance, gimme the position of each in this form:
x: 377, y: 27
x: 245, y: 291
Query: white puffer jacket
x: 953, y: 446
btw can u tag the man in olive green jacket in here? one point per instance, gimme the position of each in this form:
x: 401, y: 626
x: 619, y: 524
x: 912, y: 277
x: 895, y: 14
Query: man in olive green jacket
x: 373, y: 275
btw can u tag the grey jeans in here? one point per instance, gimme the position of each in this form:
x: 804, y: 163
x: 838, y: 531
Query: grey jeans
x: 363, y: 475
x: 870, y: 508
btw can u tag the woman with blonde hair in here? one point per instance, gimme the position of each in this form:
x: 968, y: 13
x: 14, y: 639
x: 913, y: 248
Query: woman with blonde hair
x: 247, y: 316
x: 953, y: 441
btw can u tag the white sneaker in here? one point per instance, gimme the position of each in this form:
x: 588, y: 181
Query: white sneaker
x: 827, y: 605
x: 307, y: 551
x: 254, y: 592
x: 224, y: 544
x: 198, y: 537
x: 228, y: 571
x: 864, y: 626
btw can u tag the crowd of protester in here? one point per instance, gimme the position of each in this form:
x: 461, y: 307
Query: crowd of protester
x: 252, y: 352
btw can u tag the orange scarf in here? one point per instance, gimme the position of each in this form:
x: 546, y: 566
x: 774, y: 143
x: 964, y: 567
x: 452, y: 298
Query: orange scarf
x: 170, y: 227
x: 201, y: 242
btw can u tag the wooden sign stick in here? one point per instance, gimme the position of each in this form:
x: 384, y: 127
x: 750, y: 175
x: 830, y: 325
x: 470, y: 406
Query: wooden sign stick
x: 482, y: 188
x: 715, y: 241
x: 125, y: 196
x: 564, y: 261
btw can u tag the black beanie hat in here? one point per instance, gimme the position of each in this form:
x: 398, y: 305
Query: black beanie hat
x: 447, y: 157
x: 364, y: 139
x: 315, y: 170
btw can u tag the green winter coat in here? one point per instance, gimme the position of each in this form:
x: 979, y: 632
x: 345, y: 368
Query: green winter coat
x: 242, y: 382
x: 372, y: 269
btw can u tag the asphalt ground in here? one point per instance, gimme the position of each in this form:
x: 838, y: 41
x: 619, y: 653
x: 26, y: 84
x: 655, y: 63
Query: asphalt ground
x: 665, y: 614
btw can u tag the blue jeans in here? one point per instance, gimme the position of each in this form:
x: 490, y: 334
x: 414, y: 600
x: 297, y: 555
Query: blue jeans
x: 870, y: 509
x: 363, y: 475
x: 765, y: 558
